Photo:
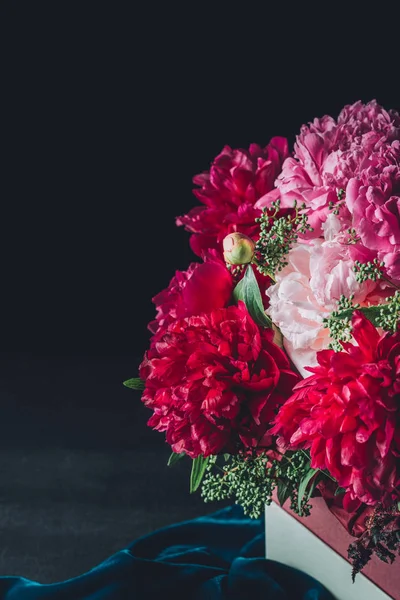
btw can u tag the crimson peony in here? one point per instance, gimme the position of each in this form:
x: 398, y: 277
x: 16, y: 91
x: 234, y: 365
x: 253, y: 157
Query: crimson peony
x: 214, y: 381
x: 348, y: 415
x: 202, y: 288
x: 236, y: 180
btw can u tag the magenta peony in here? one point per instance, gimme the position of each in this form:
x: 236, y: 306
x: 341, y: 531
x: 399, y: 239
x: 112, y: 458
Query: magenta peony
x: 347, y: 413
x: 229, y: 191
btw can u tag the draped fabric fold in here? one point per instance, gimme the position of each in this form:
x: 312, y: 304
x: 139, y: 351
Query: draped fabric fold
x: 218, y: 556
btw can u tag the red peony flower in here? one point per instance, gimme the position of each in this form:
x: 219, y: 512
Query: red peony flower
x: 202, y: 288
x: 348, y: 414
x: 236, y: 180
x: 213, y: 382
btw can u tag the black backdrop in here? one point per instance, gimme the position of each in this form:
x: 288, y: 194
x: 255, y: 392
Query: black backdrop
x: 108, y: 112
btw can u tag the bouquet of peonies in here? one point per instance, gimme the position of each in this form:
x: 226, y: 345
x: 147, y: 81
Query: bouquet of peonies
x: 274, y: 361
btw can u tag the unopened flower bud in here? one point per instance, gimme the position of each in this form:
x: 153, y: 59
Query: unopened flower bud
x: 238, y: 249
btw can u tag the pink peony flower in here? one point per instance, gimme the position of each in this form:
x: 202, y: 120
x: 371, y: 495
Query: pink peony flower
x: 360, y: 155
x: 373, y: 200
x: 307, y: 290
x: 229, y: 191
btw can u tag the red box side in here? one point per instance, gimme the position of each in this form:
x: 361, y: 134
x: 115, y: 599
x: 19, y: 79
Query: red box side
x: 326, y: 526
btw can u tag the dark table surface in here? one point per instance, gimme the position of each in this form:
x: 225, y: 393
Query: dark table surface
x: 81, y: 473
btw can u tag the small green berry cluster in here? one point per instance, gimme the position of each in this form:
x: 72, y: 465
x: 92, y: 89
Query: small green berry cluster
x: 389, y: 314
x: 339, y: 322
x: 353, y: 236
x: 370, y: 270
x: 289, y: 471
x: 336, y: 206
x: 277, y: 236
x: 243, y: 478
x: 386, y: 316
x: 251, y: 480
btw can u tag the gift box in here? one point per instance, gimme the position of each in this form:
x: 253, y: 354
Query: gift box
x: 318, y: 545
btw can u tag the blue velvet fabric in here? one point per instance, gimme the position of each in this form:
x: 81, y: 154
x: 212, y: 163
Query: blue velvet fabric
x: 219, y: 556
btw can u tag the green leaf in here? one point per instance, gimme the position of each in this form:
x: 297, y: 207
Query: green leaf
x: 199, y: 466
x: 373, y: 313
x: 226, y: 457
x: 174, y: 458
x: 314, y: 483
x: 238, y: 292
x: 134, y: 384
x: 283, y: 492
x: 249, y: 292
x: 339, y: 490
x: 303, y: 486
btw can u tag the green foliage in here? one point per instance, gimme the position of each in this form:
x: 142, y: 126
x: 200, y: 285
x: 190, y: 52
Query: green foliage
x: 295, y: 472
x: 174, y: 458
x: 251, y: 480
x: 199, y: 467
x: 386, y: 316
x: 336, y: 206
x: 341, y: 194
x: 303, y: 494
x: 369, y: 270
x: 277, y: 236
x: 238, y: 293
x: 381, y: 537
x: 243, y: 479
x: 389, y: 314
x: 135, y: 383
x: 283, y: 492
x: 339, y: 322
x: 247, y: 290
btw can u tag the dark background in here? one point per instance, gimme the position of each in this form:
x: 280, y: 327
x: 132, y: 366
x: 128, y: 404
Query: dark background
x: 108, y: 110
